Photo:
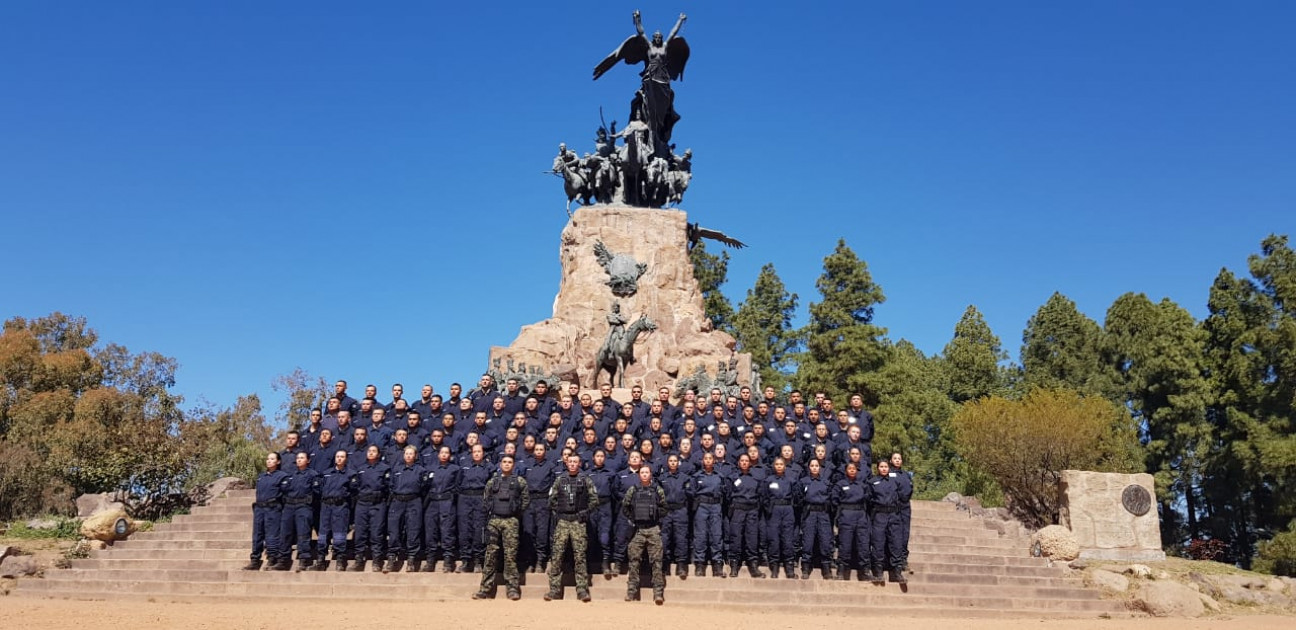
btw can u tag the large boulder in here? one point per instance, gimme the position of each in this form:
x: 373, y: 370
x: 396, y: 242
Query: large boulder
x: 103, y: 526
x: 88, y: 504
x: 18, y: 566
x: 1169, y: 599
x: 1108, y: 581
x: 1056, y: 543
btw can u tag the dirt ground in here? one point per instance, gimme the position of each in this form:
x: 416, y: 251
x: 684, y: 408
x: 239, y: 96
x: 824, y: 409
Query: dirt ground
x: 16, y: 612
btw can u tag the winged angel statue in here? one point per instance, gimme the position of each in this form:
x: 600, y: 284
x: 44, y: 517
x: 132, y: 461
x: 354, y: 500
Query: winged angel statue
x: 654, y: 103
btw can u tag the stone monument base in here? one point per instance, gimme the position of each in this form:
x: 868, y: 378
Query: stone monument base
x: 1113, y: 516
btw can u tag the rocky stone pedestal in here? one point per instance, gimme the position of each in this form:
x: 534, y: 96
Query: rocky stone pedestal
x: 1113, y: 516
x: 567, y: 344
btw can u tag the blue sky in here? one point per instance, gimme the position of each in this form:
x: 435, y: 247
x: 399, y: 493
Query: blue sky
x: 356, y: 188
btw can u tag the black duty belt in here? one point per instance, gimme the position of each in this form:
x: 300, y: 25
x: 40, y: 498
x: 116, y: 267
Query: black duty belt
x: 542, y: 494
x: 405, y: 497
x: 816, y: 508
x: 743, y: 505
x: 444, y: 496
x: 375, y: 497
x: 885, y: 509
x: 708, y: 500
x: 781, y: 502
x: 306, y: 501
x: 330, y: 501
x: 851, y: 506
x: 267, y: 504
x: 471, y: 493
x: 674, y: 506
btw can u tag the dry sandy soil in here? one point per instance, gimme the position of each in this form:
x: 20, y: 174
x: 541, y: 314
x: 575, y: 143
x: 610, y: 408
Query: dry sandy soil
x: 20, y: 613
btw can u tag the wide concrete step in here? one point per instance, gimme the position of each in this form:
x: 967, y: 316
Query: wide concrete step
x: 404, y: 586
x: 229, y: 568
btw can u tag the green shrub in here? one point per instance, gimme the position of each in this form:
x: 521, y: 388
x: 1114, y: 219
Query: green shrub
x: 1278, y: 555
x: 67, y: 529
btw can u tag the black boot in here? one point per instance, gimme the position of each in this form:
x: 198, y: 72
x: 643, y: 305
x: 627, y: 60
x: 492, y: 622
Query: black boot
x: 320, y: 565
x: 339, y: 564
x: 358, y: 566
x: 897, y: 576
x: 699, y: 569
x: 877, y: 577
x: 718, y: 569
x: 607, y: 570
x: 378, y: 564
x: 681, y: 571
x: 843, y: 572
x: 412, y: 566
x: 753, y: 570
x: 253, y: 565
x: 826, y: 570
x: 284, y: 564
x: 448, y: 566
x: 429, y: 565
x: 734, y: 566
x: 789, y: 569
x: 774, y: 569
x: 805, y: 570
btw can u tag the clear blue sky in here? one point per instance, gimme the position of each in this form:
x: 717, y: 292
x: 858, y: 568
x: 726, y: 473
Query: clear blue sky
x: 356, y: 188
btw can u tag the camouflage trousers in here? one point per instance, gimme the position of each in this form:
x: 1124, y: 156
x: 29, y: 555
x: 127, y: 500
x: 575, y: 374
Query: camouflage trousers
x: 574, y: 532
x: 501, y: 535
x: 646, y: 539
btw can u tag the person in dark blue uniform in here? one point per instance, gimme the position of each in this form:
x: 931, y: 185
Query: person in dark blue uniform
x: 405, y: 513
x: 887, y: 496
x: 675, y: 526
x: 470, y: 514
x: 267, y: 511
x: 745, y: 497
x: 439, y: 517
x: 373, y: 481
x: 905, y: 478
x: 780, y: 524
x: 851, y: 498
x: 815, y: 492
x: 600, y: 521
x: 337, y: 486
x: 537, y: 526
x: 707, y: 491
x: 300, y: 490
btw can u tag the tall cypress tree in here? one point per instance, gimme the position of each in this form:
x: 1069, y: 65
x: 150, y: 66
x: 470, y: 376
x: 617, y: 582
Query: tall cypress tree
x: 843, y: 346
x: 1157, y: 353
x: 1061, y: 347
x: 1251, y: 360
x: 763, y: 326
x: 711, y: 272
x: 972, y: 358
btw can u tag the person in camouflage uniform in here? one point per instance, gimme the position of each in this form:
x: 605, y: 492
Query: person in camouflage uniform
x: 569, y: 499
x: 645, y: 505
x: 505, y: 498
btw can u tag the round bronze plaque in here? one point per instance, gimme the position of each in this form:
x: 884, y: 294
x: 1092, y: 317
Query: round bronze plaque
x: 1136, y: 500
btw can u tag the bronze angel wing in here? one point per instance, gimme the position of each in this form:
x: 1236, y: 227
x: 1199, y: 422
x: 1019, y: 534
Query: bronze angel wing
x: 677, y: 54
x: 633, y: 50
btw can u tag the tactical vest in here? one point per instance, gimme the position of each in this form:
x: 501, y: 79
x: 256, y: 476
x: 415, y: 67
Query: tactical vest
x: 504, y: 502
x: 572, y: 495
x: 644, y: 505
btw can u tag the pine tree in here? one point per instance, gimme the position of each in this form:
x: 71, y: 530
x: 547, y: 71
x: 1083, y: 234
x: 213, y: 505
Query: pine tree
x: 972, y: 358
x: 711, y: 272
x: 1157, y: 352
x: 763, y: 327
x: 1061, y: 347
x: 912, y: 414
x: 842, y: 344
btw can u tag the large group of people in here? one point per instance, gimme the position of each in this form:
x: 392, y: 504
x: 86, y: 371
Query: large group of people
x: 533, y: 480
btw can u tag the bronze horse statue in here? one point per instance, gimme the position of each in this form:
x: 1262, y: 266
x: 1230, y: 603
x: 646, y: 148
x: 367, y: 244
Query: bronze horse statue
x: 618, y: 352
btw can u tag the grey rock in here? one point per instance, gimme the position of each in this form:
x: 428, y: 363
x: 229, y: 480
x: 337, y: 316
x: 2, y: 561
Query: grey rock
x: 18, y: 566
x: 88, y: 504
x: 1108, y: 581
x: 952, y: 497
x: 1169, y: 599
x: 1139, y: 570
x: 1078, y: 564
x: 42, y: 523
x: 217, y: 488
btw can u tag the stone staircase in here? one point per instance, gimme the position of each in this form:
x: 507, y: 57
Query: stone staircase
x: 960, y: 569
